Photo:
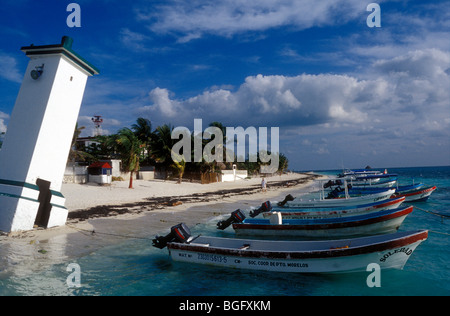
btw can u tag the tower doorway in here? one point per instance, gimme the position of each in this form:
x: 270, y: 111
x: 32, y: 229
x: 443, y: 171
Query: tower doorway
x: 43, y: 214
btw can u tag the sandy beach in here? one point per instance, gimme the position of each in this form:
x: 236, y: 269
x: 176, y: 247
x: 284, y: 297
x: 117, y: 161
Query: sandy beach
x: 104, y: 215
x: 92, y: 201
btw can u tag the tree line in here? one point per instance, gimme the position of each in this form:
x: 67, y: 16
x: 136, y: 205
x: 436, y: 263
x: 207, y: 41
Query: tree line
x: 140, y: 145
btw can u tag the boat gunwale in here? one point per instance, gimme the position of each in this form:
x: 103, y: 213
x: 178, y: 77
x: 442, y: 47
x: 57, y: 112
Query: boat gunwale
x: 299, y: 203
x: 340, y: 222
x: 424, y: 190
x: 343, y: 209
x: 409, y: 238
x: 385, y: 184
x: 399, y: 189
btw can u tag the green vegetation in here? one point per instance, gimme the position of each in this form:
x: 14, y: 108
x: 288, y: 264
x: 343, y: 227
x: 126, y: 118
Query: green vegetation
x: 142, y: 146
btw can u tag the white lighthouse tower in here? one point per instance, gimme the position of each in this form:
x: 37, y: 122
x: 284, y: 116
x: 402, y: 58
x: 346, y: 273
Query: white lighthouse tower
x: 36, y: 146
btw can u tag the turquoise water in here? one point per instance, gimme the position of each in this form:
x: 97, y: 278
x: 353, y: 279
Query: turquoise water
x: 134, y: 267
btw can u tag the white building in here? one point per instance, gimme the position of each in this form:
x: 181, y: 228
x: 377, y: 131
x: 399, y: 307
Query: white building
x: 42, y: 122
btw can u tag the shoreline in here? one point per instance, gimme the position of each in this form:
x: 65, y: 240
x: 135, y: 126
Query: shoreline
x: 161, y: 202
x: 90, y: 229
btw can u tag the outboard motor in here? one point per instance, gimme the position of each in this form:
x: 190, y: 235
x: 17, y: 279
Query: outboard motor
x: 286, y: 199
x: 328, y: 184
x: 179, y: 233
x: 335, y: 193
x: 265, y: 207
x: 236, y: 217
x: 331, y: 183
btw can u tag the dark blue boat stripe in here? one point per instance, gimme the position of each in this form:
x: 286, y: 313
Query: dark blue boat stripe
x: 331, y: 253
x: 290, y: 209
x: 325, y: 221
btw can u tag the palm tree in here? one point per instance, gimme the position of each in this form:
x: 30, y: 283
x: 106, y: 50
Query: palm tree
x: 161, y: 146
x: 2, y: 134
x: 106, y: 148
x: 283, y: 163
x: 129, y: 147
x: 76, y: 153
x: 179, y: 165
x: 143, y: 130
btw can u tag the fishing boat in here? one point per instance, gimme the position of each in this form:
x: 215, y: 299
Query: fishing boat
x: 389, y: 251
x: 386, y: 183
x: 372, y: 179
x: 358, y: 172
x: 338, y: 191
x: 418, y: 195
x: 380, y: 222
x: 367, y: 177
x: 317, y: 213
x: 362, y: 185
x: 347, y: 201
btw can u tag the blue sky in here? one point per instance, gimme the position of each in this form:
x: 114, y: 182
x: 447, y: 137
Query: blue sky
x: 342, y: 94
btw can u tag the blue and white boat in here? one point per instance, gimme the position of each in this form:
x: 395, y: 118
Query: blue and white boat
x: 417, y: 195
x: 369, y: 177
x: 389, y: 251
x: 317, y: 213
x: 379, y: 222
x: 347, y: 201
x: 374, y: 182
x: 358, y: 172
x: 339, y: 192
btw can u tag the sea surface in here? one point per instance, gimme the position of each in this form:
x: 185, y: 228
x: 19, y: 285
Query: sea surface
x: 134, y: 267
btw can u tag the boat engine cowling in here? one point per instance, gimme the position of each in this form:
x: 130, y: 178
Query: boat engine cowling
x: 236, y: 217
x: 331, y: 183
x: 335, y: 193
x: 179, y: 233
x: 265, y: 207
x: 288, y: 198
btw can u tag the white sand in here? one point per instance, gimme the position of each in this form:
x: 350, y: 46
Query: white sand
x: 23, y: 253
x: 82, y: 196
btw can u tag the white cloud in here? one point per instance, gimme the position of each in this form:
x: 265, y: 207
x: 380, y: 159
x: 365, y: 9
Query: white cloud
x: 427, y: 63
x: 409, y: 27
x: 168, y: 108
x: 133, y: 40
x: 3, y: 117
x: 385, y: 109
x: 420, y: 82
x: 276, y: 100
x: 322, y: 150
x: 191, y: 19
x: 404, y: 95
x: 9, y: 68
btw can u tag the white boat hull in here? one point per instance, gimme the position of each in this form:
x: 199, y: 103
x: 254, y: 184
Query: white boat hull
x: 397, y: 259
x: 370, y: 198
x: 387, y: 184
x: 333, y: 213
x: 384, y: 227
x: 390, y: 254
x: 418, y: 195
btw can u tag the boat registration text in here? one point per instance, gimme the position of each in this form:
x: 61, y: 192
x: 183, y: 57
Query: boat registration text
x: 240, y: 261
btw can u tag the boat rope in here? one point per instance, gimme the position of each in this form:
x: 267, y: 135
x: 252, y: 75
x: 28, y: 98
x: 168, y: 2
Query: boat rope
x: 442, y: 216
x: 441, y: 233
x: 93, y: 233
